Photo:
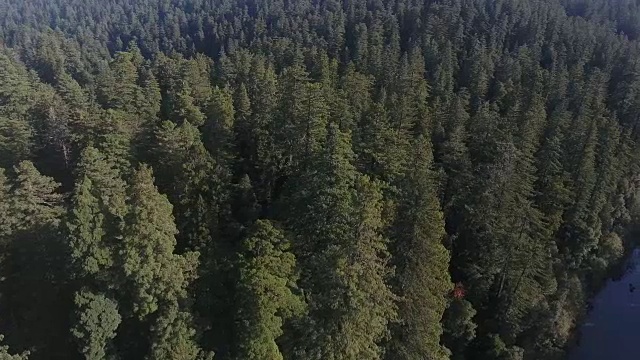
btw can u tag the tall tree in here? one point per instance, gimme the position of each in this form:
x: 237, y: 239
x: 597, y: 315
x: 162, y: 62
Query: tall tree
x: 422, y: 278
x: 96, y: 325
x: 338, y: 239
x: 267, y: 292
x: 156, y: 277
x: 34, y: 293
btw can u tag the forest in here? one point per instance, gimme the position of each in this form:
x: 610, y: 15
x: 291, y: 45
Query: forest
x: 312, y: 179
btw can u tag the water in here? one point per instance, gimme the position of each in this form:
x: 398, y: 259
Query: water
x: 612, y: 329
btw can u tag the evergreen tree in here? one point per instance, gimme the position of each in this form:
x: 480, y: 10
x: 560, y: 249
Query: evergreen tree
x: 95, y: 227
x: 15, y: 141
x: 301, y: 119
x: 262, y: 92
x: 87, y: 230
x: 245, y: 110
x: 96, y: 220
x: 154, y: 273
x: 381, y: 149
x: 339, y: 241
x: 17, y: 96
x: 96, y: 325
x: 459, y: 328
x: 118, y: 87
x: 188, y: 174
x: 454, y: 153
x: 6, y: 218
x: 267, y: 292
x: 423, y: 281
x: 173, y: 336
x: 34, y: 293
x: 218, y: 131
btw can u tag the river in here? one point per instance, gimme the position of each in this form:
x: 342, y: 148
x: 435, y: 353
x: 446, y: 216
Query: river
x: 612, y: 328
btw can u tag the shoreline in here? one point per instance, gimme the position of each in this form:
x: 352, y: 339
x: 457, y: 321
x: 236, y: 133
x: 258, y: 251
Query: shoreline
x: 616, y: 274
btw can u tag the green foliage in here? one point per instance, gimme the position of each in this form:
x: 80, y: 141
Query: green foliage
x: 97, y: 214
x: 96, y: 324
x: 422, y: 277
x: 459, y: 328
x: 267, y: 292
x: 35, y: 202
x: 357, y: 157
x: 153, y: 272
x: 87, y: 231
x: 381, y: 148
x: 6, y: 220
x: 4, y: 353
x: 172, y: 336
x: 17, y: 96
x: 15, y: 141
x: 188, y: 174
x: 33, y: 264
x: 344, y: 257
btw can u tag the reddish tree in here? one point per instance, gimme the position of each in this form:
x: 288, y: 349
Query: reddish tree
x: 459, y: 291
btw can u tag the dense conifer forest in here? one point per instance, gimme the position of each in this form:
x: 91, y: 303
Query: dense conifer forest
x: 312, y: 179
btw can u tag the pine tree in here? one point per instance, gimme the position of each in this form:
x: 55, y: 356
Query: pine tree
x: 188, y: 174
x: 357, y: 88
x: 409, y: 110
x: 262, y: 92
x: 552, y: 192
x: 301, y: 118
x: 197, y: 73
x: 475, y: 72
x: 381, y: 149
x: 475, y: 249
x: 151, y: 96
x: 184, y: 108
x: 244, y: 205
x: 155, y: 275
x: 196, y: 186
x: 96, y: 325
x: 94, y: 226
x: 35, y: 200
x: 54, y: 141
x: 422, y: 261
x: 244, y: 130
x: 579, y: 237
x: 17, y: 96
x: 459, y: 327
x: 96, y: 219
x: 366, y: 276
x: 172, y: 336
x: 218, y: 131
x: 118, y: 87
x: 87, y: 230
x: 6, y: 218
x: 157, y: 278
x: 267, y: 292
x: 338, y: 239
x: 455, y: 160
x: 83, y: 117
x: 34, y: 293
x: 527, y: 275
x: 16, y: 141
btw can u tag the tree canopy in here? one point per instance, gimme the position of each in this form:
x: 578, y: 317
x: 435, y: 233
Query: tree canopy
x: 264, y: 179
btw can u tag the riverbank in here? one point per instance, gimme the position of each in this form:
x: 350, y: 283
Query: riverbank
x: 611, y: 330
